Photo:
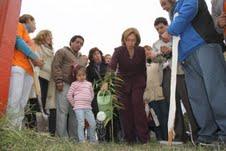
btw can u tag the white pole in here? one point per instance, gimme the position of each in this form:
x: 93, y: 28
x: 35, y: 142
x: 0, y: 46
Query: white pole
x: 172, y: 108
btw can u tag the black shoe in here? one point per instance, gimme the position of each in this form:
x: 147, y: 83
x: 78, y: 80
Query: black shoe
x: 193, y: 136
x: 194, y: 139
x: 206, y: 144
x: 221, y: 141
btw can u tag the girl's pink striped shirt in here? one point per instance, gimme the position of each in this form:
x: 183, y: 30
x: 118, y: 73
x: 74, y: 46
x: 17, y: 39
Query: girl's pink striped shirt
x: 80, y: 95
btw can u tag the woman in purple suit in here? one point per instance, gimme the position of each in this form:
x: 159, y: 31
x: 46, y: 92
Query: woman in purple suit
x: 129, y: 61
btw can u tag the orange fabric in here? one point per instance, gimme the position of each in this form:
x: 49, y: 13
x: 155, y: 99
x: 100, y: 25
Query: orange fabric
x: 19, y: 59
x: 10, y: 11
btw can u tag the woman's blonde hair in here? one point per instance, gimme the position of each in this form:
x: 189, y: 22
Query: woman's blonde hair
x: 41, y: 36
x: 128, y: 32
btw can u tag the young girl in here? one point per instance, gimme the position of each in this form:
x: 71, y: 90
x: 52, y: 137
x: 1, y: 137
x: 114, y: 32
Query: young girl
x: 80, y: 96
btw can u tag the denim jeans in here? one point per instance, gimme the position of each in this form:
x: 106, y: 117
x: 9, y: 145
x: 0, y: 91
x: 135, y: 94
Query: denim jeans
x: 19, y: 90
x: 205, y: 75
x: 81, y: 115
x: 65, y: 118
x: 161, y: 108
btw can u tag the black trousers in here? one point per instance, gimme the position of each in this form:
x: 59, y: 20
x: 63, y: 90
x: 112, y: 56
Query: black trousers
x: 30, y: 113
x: 181, y: 94
x: 161, y: 108
x: 34, y: 107
x: 44, y: 90
x: 52, y: 122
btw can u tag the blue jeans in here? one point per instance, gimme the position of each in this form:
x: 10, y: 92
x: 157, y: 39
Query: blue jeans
x: 81, y: 115
x: 205, y: 75
x: 66, y: 125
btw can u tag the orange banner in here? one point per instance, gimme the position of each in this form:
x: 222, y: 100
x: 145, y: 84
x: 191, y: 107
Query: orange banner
x: 9, y: 13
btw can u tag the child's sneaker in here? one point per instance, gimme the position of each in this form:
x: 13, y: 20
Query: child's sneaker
x: 93, y: 142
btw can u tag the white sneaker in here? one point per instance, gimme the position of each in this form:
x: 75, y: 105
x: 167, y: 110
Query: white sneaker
x: 173, y: 143
x: 177, y: 143
x: 163, y: 142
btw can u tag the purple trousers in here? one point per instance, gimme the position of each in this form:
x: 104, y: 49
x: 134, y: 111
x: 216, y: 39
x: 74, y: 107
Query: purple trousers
x: 134, y: 120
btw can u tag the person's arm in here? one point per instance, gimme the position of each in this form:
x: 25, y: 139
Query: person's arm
x: 57, y: 70
x: 156, y: 51
x: 221, y: 22
x: 23, y: 47
x: 70, y: 94
x: 89, y: 75
x: 112, y: 68
x: 92, y: 92
x: 186, y: 14
x: 114, y: 60
x: 22, y: 32
x: 215, y: 12
x: 154, y: 48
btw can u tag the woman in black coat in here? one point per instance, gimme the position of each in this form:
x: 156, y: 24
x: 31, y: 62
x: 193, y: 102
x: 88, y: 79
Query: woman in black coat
x: 95, y: 71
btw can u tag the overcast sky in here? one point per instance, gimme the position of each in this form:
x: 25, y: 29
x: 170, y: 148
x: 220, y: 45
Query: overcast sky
x: 100, y: 22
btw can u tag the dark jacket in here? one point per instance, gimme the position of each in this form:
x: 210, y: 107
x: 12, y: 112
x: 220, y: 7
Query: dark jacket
x: 93, y: 74
x: 132, y: 71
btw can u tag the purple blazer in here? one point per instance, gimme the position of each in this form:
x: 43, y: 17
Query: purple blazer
x: 132, y: 71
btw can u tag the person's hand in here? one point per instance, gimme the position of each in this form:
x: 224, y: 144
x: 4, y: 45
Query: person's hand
x: 147, y: 109
x: 221, y: 20
x: 104, y: 87
x: 150, y: 54
x: 59, y: 86
x: 165, y: 49
x: 38, y: 62
x: 166, y: 37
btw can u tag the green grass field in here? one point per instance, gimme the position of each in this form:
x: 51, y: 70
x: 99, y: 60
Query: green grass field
x: 28, y: 140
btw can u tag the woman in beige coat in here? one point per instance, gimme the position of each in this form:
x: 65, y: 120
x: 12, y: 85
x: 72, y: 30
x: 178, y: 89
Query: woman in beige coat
x: 43, y: 48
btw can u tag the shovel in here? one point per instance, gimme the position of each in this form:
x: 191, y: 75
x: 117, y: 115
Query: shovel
x: 38, y: 90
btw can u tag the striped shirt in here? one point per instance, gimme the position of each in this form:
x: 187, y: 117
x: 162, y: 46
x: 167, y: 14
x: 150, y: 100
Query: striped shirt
x: 80, y: 95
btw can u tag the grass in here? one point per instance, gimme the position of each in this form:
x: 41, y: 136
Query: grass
x: 28, y: 140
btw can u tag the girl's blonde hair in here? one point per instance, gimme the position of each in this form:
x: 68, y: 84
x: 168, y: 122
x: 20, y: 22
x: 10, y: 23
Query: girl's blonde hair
x: 128, y: 32
x: 82, y: 70
x: 41, y: 37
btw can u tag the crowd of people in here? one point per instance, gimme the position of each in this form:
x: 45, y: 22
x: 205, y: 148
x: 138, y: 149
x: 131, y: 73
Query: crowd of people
x: 66, y: 79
